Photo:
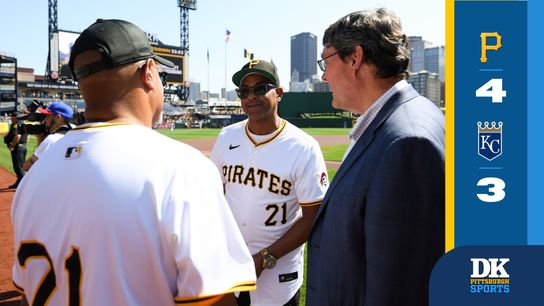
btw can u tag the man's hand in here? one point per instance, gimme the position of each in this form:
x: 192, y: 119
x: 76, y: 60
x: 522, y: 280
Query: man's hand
x: 258, y: 261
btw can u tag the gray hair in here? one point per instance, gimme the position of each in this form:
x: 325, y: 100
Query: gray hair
x: 379, y: 33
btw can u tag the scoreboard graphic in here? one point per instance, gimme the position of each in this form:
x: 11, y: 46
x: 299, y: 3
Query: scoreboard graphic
x: 495, y: 207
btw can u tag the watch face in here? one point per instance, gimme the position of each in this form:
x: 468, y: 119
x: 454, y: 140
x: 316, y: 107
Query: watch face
x: 269, y: 262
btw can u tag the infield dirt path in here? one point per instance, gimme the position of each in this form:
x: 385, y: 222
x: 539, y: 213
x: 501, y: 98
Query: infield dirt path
x: 206, y: 145
x: 7, y: 294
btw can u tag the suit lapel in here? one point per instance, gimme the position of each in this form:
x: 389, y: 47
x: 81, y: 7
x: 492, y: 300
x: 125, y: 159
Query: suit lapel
x: 402, y: 96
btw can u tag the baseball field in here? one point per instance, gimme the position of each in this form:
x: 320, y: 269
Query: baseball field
x: 333, y: 142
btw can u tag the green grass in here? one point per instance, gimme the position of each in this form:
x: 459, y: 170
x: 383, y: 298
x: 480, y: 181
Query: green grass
x: 327, y: 131
x: 334, y: 152
x: 182, y: 134
x: 5, y: 155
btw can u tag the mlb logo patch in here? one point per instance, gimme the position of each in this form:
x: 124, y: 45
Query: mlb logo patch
x: 490, y: 139
x: 73, y: 152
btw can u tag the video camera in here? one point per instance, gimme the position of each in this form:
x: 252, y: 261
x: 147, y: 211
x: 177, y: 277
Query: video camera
x: 32, y: 123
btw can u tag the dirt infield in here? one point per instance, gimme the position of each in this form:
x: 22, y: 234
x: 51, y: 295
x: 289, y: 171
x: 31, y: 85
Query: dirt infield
x: 206, y: 145
x: 7, y: 294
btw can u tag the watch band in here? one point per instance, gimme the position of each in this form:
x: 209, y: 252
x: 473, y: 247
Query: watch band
x: 269, y: 261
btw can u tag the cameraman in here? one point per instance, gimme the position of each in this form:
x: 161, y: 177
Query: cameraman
x: 56, y: 124
x: 16, y: 141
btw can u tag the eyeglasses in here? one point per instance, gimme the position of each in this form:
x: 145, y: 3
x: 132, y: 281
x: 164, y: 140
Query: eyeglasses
x: 163, y: 75
x: 257, y: 90
x: 322, y: 64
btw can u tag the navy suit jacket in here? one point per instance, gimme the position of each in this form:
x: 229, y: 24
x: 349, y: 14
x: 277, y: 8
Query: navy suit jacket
x: 380, y: 228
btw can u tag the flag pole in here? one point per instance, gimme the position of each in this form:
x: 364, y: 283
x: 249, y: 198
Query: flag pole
x: 227, y: 38
x: 226, y: 41
x: 225, y: 70
x: 208, y: 56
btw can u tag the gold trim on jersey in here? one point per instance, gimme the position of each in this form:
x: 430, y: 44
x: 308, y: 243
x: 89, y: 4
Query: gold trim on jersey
x: 278, y: 132
x: 210, y: 299
x: 315, y: 203
x: 202, y: 301
x: 17, y: 287
x: 99, y: 125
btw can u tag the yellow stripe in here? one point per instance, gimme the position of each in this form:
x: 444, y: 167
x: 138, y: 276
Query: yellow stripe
x: 450, y: 126
x: 209, y: 300
x: 243, y: 286
x: 100, y: 125
x: 283, y: 124
x: 310, y: 204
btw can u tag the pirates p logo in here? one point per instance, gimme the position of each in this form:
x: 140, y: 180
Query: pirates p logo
x: 253, y: 63
x: 490, y: 139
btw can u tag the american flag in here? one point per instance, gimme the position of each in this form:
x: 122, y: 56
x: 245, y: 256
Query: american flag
x: 227, y: 38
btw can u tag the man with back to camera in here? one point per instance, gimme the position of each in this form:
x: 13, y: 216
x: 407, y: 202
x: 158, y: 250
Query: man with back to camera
x: 125, y: 227
x: 275, y: 178
x: 57, y: 123
x: 380, y: 229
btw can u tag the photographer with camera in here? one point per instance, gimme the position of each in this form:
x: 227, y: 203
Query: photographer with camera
x: 16, y: 139
x: 56, y: 121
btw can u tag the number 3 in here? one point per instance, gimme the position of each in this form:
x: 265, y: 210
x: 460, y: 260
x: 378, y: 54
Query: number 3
x: 33, y: 250
x: 495, y: 186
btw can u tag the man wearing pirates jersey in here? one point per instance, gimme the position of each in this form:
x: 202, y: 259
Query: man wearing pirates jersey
x: 126, y: 228
x: 275, y: 178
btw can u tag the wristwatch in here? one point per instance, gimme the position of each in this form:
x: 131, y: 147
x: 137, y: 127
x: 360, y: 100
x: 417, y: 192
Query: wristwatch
x: 269, y: 261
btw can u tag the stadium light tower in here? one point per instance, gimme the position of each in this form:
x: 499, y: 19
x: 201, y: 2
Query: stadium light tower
x: 184, y: 7
x: 53, y: 28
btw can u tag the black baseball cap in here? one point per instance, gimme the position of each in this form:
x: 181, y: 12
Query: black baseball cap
x: 264, y: 68
x: 120, y: 42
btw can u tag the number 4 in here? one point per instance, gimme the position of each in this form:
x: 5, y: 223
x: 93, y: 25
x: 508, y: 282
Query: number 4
x: 493, y: 89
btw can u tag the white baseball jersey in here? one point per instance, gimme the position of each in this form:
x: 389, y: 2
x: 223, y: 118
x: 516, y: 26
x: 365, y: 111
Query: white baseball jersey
x: 120, y: 215
x: 47, y: 143
x: 267, y: 180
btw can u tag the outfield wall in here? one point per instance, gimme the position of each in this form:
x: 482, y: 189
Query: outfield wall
x: 294, y: 104
x: 320, y: 122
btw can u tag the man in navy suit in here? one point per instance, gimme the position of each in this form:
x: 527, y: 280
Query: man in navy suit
x: 380, y: 228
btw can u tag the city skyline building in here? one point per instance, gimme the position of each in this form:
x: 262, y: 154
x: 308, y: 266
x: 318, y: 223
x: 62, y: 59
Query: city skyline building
x: 435, y: 61
x: 194, y: 91
x: 428, y: 85
x: 304, y: 55
x: 417, y: 46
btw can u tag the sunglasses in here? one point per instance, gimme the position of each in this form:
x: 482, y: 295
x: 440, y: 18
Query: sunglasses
x: 257, y: 90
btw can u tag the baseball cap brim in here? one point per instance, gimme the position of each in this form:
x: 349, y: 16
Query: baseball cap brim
x: 44, y: 111
x: 239, y: 76
x: 163, y: 61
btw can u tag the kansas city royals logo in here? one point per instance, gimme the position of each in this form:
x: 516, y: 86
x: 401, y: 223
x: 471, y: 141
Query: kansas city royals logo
x: 490, y: 139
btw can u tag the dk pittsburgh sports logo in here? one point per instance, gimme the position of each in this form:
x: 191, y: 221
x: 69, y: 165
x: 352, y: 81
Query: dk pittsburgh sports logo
x: 489, y: 275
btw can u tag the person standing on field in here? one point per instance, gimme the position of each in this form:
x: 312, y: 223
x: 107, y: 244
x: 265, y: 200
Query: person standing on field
x: 275, y: 178
x: 100, y: 220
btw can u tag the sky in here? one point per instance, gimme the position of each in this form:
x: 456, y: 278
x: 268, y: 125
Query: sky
x: 262, y: 27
